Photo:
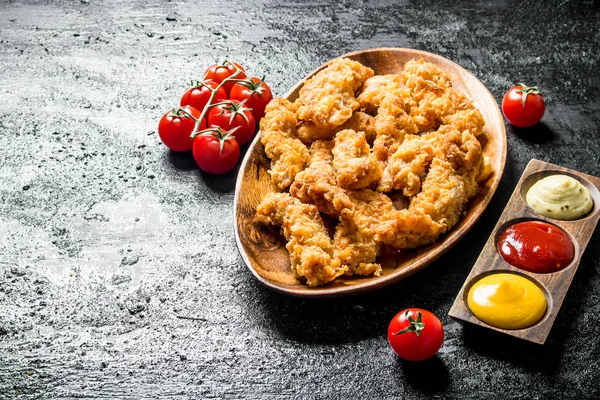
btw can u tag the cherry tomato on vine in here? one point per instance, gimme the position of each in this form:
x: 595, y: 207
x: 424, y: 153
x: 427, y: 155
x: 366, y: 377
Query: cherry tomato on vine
x: 199, y: 94
x: 215, y: 151
x: 231, y: 114
x: 523, y: 106
x: 256, y: 93
x: 176, y: 126
x: 415, y: 334
x: 222, y: 71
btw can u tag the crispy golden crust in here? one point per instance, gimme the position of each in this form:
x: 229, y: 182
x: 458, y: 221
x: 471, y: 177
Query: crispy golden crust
x: 308, y: 132
x: 356, y: 251
x: 392, y: 123
x: 407, y: 165
x: 327, y: 99
x: 437, y: 102
x: 308, y: 242
x: 423, y: 77
x: 403, y: 229
x: 288, y: 155
x: 375, y: 89
x: 463, y: 152
x: 355, y: 241
x: 354, y: 164
x: 369, y: 209
x: 443, y: 196
x: 317, y: 183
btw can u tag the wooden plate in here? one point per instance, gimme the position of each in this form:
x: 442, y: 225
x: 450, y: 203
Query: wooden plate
x: 263, y: 248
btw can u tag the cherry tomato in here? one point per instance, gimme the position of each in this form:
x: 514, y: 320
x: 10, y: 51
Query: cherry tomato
x: 215, y: 151
x: 219, y: 72
x: 199, y: 94
x: 232, y: 114
x: 415, y: 334
x: 256, y: 93
x: 523, y: 106
x: 176, y: 126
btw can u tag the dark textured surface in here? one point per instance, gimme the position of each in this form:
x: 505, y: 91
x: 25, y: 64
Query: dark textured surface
x: 119, y: 274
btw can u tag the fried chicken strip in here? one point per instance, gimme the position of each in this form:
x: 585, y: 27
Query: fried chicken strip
x: 376, y: 88
x: 327, y: 99
x: 308, y: 132
x: 392, y: 123
x: 354, y: 164
x: 288, y: 155
x: 407, y: 165
x: 317, y: 183
x: 424, y: 77
x: 404, y: 229
x: 355, y: 241
x: 463, y: 152
x: 308, y: 242
x: 356, y: 251
x: 438, y: 102
x: 443, y: 196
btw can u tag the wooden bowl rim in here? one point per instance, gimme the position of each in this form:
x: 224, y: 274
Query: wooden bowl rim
x: 427, y: 258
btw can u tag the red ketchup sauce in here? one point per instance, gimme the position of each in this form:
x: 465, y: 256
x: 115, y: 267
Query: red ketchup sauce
x: 536, y: 246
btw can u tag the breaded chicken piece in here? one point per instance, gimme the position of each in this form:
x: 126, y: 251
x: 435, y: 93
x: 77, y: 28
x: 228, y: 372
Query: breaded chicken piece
x: 376, y: 88
x: 424, y: 77
x: 288, y: 154
x: 363, y: 122
x: 281, y: 117
x: 406, y: 166
x: 448, y: 107
x: 449, y: 183
x: 369, y: 209
x: 438, y: 102
x: 308, y: 132
x: 327, y: 99
x: 354, y: 164
x: 356, y: 251
x: 308, y: 242
x: 355, y: 241
x: 465, y: 155
x: 404, y: 229
x: 392, y: 122
x: 376, y: 220
x: 443, y: 196
x: 317, y: 183
x: 469, y: 120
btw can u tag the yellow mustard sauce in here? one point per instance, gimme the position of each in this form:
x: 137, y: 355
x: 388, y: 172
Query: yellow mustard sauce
x: 560, y: 197
x: 507, y: 301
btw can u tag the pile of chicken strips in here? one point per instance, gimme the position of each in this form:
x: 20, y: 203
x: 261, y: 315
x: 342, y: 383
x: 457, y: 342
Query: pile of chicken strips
x: 392, y: 159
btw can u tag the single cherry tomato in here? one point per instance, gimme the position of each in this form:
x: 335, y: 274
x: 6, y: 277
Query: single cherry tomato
x: 215, y: 151
x: 415, y: 334
x: 231, y: 114
x: 256, y: 93
x: 523, y: 106
x: 220, y: 72
x: 176, y: 127
x: 199, y: 94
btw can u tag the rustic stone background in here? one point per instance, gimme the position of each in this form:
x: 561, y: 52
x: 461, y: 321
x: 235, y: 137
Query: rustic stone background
x: 119, y: 273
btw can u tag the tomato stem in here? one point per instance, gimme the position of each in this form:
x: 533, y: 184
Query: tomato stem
x: 213, y: 92
x: 219, y: 134
x: 415, y: 325
x: 525, y: 90
x: 255, y: 87
x: 234, y: 109
x: 179, y: 110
